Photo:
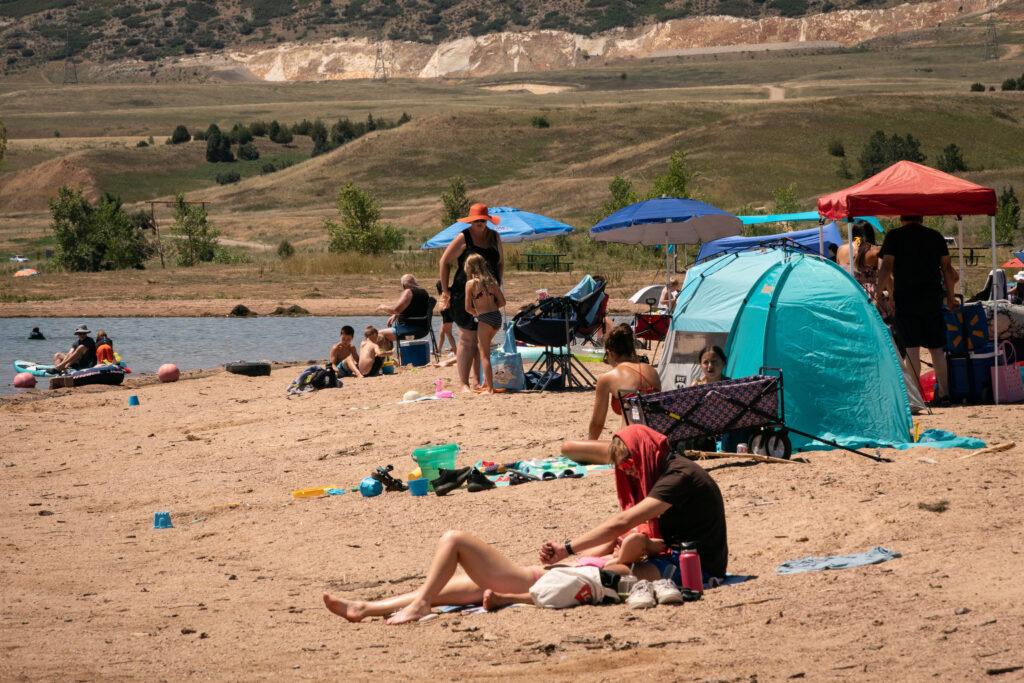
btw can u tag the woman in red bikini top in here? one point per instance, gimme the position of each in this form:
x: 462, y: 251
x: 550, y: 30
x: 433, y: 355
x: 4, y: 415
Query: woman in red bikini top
x: 628, y: 373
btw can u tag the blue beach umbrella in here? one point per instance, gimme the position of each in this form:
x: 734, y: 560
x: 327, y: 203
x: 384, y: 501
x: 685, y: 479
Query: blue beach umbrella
x: 666, y: 220
x: 515, y: 226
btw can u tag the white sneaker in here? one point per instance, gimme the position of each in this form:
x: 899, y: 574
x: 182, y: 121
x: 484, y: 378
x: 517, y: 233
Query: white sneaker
x: 667, y: 593
x: 642, y: 596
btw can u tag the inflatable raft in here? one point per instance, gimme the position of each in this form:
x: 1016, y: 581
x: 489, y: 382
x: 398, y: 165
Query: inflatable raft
x: 101, y: 374
x: 43, y: 370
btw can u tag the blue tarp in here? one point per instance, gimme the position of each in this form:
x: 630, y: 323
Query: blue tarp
x: 806, y: 239
x: 515, y: 226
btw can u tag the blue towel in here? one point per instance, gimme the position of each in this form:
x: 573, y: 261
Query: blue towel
x: 938, y: 438
x: 816, y: 564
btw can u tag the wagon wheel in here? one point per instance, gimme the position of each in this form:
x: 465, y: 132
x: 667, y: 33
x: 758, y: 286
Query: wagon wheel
x: 773, y: 442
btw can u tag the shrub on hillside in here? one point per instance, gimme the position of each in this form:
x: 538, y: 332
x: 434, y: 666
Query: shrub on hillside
x: 228, y: 178
x: 620, y: 195
x: 881, y: 152
x: 951, y: 160
x: 836, y: 148
x: 303, y: 127
x: 540, y: 122
x: 1008, y: 216
x: 248, y: 152
x: 196, y: 238
x: 96, y: 237
x: 361, y: 229
x: 180, y: 135
x: 240, y: 134
x: 218, y: 146
x: 285, y: 249
x: 321, y: 143
x: 279, y: 134
x: 1009, y: 84
x: 977, y: 87
x: 142, y: 143
x: 258, y: 129
x: 455, y: 202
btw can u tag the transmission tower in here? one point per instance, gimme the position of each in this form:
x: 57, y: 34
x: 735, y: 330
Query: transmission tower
x: 991, y: 37
x: 70, y: 68
x: 380, y: 64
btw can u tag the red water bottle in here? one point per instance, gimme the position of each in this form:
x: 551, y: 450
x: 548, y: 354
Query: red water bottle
x: 689, y: 569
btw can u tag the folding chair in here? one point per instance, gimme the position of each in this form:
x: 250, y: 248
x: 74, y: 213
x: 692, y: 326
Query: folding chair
x: 595, y: 323
x: 427, y: 328
x: 651, y: 327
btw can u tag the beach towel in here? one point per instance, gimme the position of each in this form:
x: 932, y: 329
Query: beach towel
x: 649, y: 449
x: 876, y: 555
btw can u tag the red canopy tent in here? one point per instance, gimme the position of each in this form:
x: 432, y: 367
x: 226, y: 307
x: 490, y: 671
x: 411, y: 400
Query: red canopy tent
x: 909, y: 189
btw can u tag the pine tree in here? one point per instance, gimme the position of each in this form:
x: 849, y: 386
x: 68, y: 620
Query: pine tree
x: 1008, y: 216
x: 951, y: 160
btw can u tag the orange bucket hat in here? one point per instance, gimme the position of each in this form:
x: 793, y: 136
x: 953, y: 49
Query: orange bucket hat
x: 478, y: 212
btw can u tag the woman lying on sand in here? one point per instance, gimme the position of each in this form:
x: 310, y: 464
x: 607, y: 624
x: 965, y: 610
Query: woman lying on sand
x: 680, y: 499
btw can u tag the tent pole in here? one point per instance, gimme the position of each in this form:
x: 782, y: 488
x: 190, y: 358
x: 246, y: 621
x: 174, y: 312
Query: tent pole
x: 849, y: 240
x: 960, y: 248
x: 821, y: 240
x: 995, y: 316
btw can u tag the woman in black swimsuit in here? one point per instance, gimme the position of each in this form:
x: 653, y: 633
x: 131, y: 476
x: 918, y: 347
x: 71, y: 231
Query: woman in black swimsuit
x: 476, y: 239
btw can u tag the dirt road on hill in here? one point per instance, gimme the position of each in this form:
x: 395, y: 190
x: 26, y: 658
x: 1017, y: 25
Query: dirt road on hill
x: 92, y: 591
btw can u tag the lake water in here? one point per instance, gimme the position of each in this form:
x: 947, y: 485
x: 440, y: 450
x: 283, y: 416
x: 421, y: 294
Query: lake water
x: 190, y: 343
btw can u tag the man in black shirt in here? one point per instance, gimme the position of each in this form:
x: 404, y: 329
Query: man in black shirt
x: 918, y: 274
x: 410, y: 314
x: 81, y: 355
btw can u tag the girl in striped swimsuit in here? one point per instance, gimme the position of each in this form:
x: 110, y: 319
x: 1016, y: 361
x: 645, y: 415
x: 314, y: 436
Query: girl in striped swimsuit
x: 484, y: 301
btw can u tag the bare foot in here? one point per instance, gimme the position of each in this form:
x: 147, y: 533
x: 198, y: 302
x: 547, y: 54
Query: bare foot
x: 494, y: 601
x: 466, y: 388
x: 408, y: 614
x: 353, y: 610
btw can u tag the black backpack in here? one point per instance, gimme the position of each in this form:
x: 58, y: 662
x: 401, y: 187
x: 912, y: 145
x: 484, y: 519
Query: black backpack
x: 313, y: 378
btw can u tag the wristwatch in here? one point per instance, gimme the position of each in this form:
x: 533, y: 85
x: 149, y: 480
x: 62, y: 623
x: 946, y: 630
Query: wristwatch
x: 568, y: 548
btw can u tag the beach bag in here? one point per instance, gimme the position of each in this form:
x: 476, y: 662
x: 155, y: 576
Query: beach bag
x: 507, y: 364
x: 564, y: 587
x: 1011, y: 387
x: 314, y: 378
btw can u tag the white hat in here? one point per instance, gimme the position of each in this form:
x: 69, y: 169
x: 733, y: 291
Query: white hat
x: 1019, y: 276
x: 411, y: 395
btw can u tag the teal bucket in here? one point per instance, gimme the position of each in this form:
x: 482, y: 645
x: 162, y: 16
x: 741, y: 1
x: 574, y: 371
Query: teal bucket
x: 432, y: 458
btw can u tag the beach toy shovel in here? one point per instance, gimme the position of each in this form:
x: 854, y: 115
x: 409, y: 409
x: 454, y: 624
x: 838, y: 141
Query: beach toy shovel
x: 162, y: 520
x: 133, y: 400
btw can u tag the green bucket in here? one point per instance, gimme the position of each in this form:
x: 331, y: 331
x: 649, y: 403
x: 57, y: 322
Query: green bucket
x: 432, y: 458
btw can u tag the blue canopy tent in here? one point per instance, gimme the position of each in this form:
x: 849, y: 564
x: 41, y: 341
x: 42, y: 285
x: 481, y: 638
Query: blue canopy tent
x: 786, y: 309
x: 807, y: 240
x: 515, y: 226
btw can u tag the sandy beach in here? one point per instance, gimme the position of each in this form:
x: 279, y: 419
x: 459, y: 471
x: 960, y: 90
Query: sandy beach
x: 92, y: 591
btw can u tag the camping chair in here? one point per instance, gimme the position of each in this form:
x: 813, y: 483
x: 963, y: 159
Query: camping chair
x: 552, y: 323
x: 427, y: 328
x: 594, y: 321
x: 705, y: 411
x: 651, y: 327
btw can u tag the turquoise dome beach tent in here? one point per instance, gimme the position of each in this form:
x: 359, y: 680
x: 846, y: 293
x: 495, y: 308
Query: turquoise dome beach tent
x: 781, y: 308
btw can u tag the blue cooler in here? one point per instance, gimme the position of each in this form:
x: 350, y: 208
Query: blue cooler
x: 970, y: 378
x: 415, y: 352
